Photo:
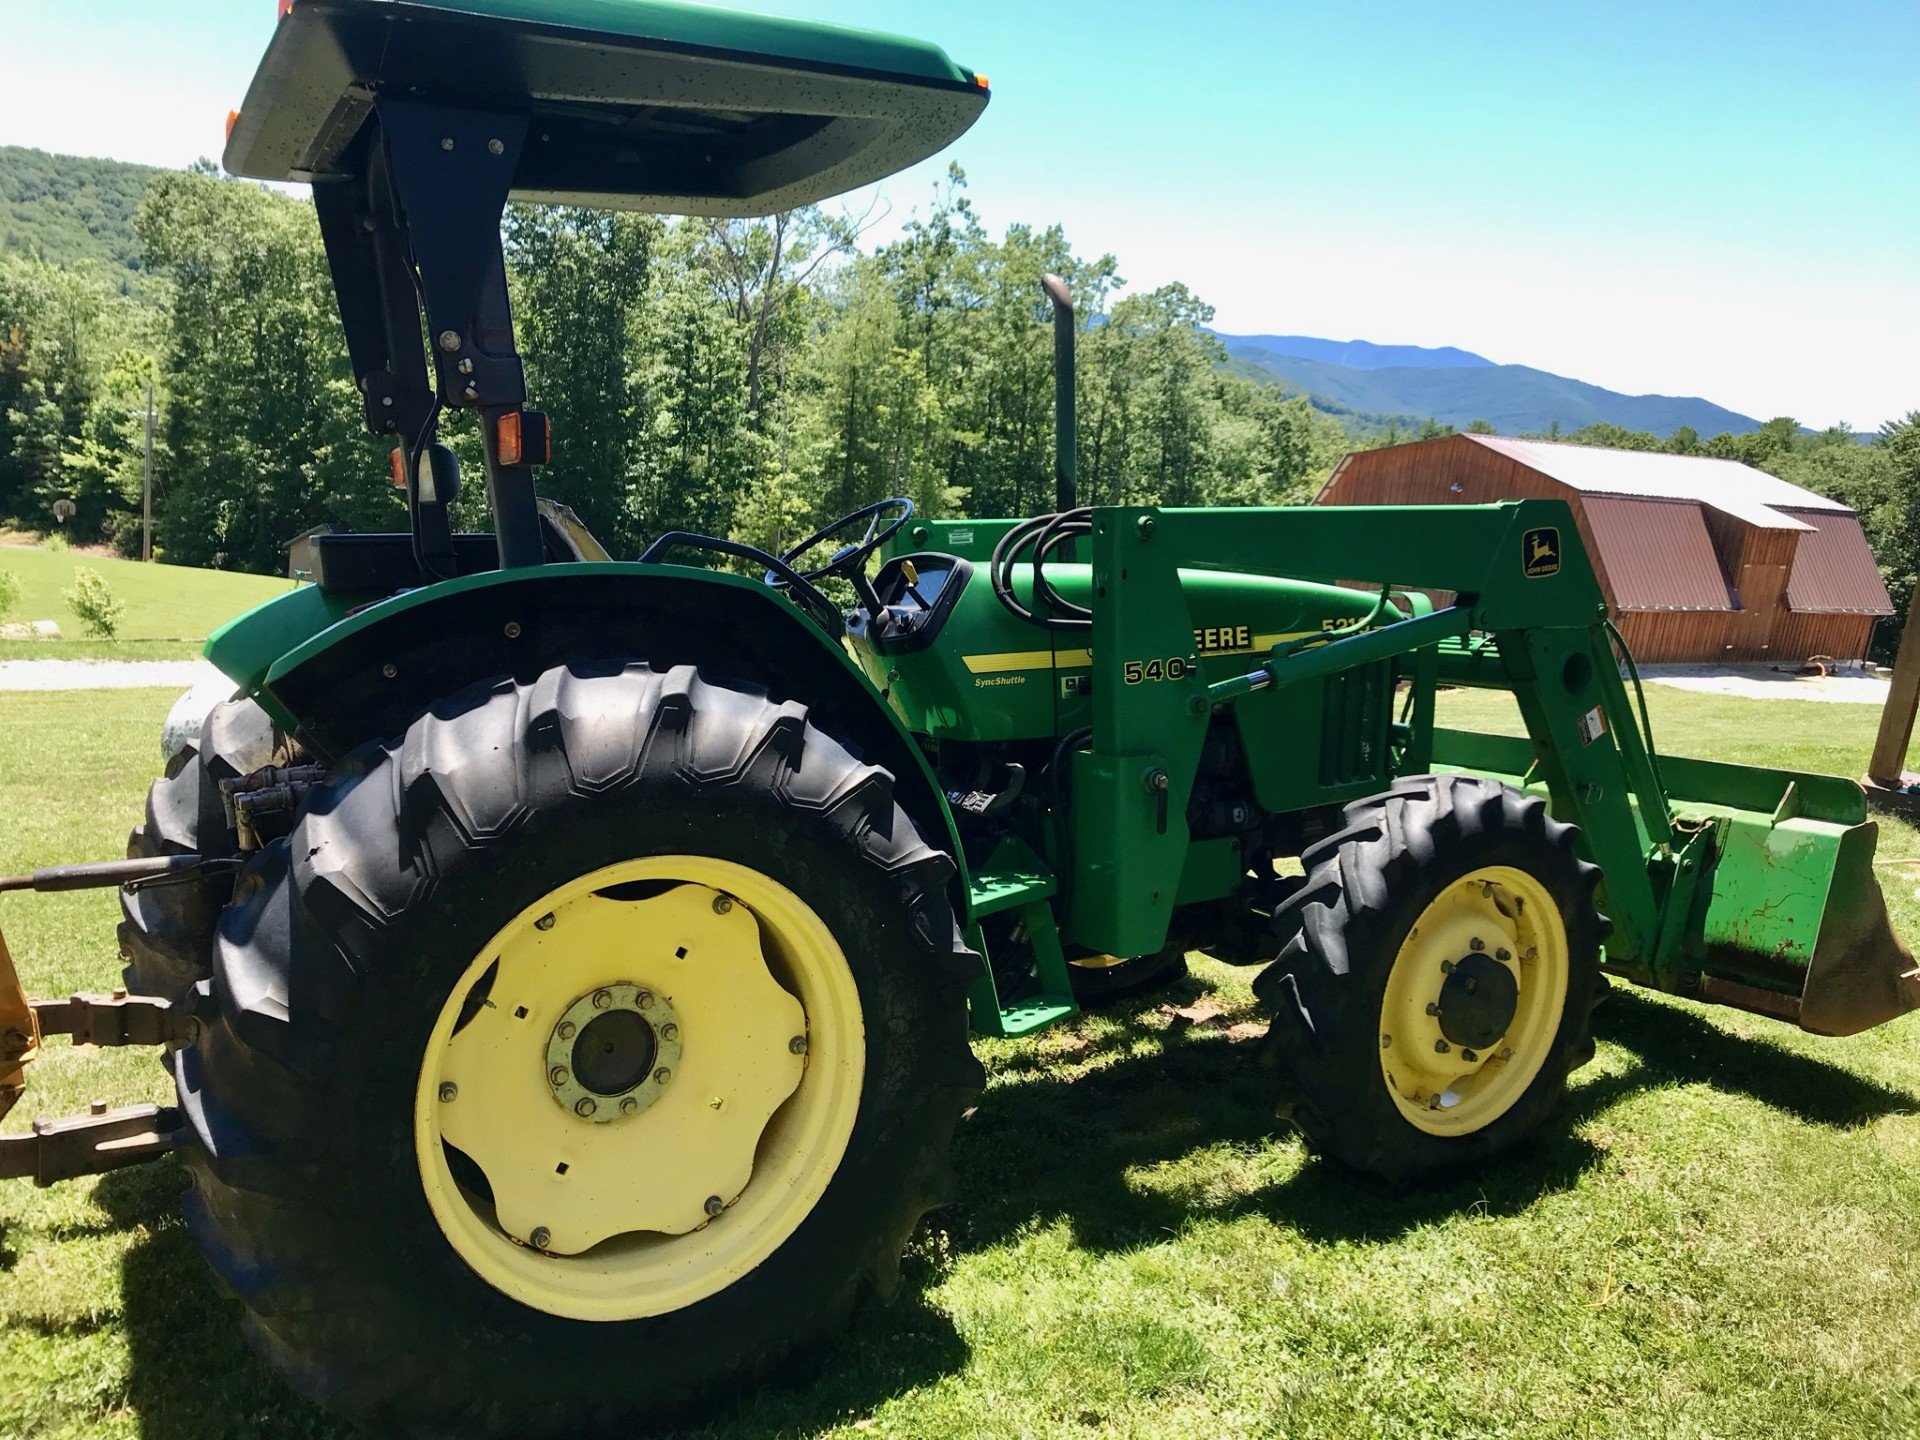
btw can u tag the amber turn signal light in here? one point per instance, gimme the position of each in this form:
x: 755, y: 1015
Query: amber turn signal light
x: 523, y: 437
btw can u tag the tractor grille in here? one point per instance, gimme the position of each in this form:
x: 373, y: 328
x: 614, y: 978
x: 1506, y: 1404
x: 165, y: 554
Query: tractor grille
x: 1354, y: 726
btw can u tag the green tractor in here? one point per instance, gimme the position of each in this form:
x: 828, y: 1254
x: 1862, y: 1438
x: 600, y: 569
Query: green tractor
x: 567, y: 964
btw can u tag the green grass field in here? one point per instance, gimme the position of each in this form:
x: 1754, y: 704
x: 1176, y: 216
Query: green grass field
x: 170, y: 608
x: 1721, y: 1241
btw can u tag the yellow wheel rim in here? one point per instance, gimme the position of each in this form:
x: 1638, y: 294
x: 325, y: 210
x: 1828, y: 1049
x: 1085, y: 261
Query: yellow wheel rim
x: 1474, y: 1001
x: 646, y: 1163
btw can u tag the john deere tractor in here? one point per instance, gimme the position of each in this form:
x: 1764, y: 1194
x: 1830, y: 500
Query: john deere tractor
x: 567, y: 964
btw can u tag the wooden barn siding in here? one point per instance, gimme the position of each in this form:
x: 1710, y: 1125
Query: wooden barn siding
x: 1703, y: 637
x: 1730, y: 537
x: 1657, y: 636
x: 1844, y: 637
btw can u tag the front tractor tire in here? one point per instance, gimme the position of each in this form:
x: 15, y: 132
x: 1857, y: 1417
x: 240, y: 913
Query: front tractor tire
x: 1435, y: 978
x: 581, y: 1054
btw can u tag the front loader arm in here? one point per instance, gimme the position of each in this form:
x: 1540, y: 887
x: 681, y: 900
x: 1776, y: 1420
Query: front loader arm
x: 1745, y: 886
x: 1518, y: 573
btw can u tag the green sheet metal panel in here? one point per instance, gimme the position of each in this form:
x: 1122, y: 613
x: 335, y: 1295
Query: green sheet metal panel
x: 638, y: 104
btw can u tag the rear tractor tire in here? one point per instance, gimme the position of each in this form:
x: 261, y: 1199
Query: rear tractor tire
x: 1436, y: 974
x: 582, y: 1053
x: 167, y: 931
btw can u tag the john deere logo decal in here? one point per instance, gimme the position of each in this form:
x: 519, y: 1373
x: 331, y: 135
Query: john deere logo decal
x: 1540, y: 553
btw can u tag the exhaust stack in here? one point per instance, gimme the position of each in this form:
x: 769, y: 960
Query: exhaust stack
x: 1064, y: 424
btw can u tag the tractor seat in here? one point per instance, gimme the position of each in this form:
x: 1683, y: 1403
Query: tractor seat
x: 342, y: 563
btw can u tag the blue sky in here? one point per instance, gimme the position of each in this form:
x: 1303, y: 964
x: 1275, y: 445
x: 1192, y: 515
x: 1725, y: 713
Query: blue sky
x: 1711, y: 198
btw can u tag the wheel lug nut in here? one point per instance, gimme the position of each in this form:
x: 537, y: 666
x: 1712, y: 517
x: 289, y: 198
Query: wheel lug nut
x: 540, y: 1238
x: 1441, y: 1047
x: 715, y: 1205
x: 584, y: 1108
x: 797, y: 1045
x: 1503, y: 955
x: 602, y: 999
x: 566, y: 1030
x: 1386, y: 1042
x: 1476, y: 943
x: 557, y: 1075
x: 669, y: 1032
x: 1446, y: 967
x: 448, y: 1090
x: 1506, y: 1052
x: 721, y: 905
x: 629, y: 1105
x: 1469, y: 1056
x: 1433, y: 1007
x: 545, y: 922
x: 644, y: 999
x: 662, y: 1075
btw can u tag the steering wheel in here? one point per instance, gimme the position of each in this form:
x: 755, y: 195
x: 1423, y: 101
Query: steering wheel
x: 850, y: 560
x: 883, y: 518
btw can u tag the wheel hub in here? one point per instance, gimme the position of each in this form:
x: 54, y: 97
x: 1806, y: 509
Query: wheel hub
x: 1478, y: 1001
x: 1473, y: 1001
x: 557, y: 1099
x: 640, y: 1087
x: 612, y: 1053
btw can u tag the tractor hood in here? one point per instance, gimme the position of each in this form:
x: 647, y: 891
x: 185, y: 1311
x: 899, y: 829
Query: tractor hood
x: 635, y: 104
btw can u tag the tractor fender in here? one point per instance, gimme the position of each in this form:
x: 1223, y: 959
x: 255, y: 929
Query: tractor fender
x: 336, y: 676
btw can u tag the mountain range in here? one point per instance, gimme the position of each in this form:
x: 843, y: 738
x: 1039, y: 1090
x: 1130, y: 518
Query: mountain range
x: 1456, y: 387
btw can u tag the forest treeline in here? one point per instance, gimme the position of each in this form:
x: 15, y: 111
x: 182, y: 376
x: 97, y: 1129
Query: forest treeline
x: 747, y: 378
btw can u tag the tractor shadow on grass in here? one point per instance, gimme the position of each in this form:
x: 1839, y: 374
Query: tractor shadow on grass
x: 1683, y: 1046
x: 1112, y: 1146
x: 1123, y: 1130
x: 192, y: 1376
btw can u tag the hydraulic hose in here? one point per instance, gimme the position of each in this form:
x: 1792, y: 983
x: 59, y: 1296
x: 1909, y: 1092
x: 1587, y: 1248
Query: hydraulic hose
x: 1619, y: 643
x: 1043, y: 534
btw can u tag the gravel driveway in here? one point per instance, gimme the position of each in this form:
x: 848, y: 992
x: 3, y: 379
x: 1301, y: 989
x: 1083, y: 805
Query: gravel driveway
x: 102, y: 674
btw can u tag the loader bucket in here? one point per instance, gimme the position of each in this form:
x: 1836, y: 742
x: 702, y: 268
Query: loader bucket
x: 1794, y: 924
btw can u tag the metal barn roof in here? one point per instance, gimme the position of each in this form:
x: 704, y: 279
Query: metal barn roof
x: 1834, y: 571
x: 1740, y: 490
x: 1657, y: 553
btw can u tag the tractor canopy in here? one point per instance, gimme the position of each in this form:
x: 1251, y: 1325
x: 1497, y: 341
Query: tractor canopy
x: 633, y: 104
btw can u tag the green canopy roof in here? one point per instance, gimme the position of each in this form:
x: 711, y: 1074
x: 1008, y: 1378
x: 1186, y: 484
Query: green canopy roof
x: 641, y: 104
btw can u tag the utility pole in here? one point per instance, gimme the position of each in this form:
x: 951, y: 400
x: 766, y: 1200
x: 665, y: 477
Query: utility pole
x: 146, y: 486
x: 1886, y: 771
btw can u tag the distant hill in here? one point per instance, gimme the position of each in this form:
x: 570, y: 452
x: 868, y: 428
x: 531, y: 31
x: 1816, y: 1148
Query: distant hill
x: 70, y: 209
x: 1360, y: 354
x: 67, y: 208
x: 1457, y: 391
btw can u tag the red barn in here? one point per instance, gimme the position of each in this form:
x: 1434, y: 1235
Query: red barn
x: 1701, y: 560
